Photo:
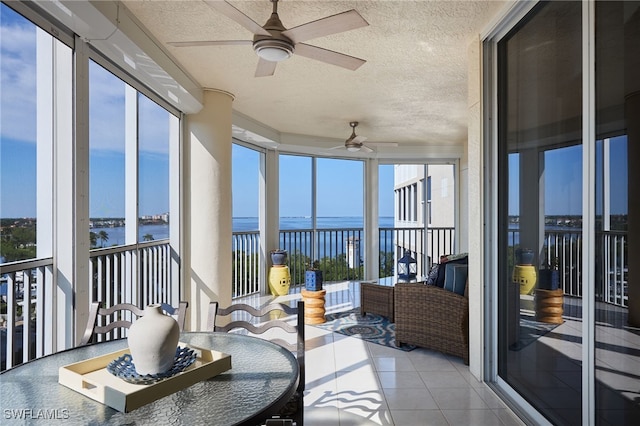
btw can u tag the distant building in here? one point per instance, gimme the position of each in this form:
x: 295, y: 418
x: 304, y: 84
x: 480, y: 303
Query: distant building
x: 424, y: 202
x: 353, y: 252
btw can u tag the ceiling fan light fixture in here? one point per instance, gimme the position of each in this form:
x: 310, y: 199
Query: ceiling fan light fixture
x: 352, y: 146
x: 273, y: 50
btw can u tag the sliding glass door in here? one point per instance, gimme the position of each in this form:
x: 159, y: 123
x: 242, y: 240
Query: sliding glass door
x: 568, y: 143
x: 540, y: 80
x: 617, y: 209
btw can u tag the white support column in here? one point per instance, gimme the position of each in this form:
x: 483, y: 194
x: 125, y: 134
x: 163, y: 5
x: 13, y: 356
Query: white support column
x: 72, y: 192
x: 131, y: 189
x: 208, y: 206
x: 131, y: 164
x: 606, y: 185
x: 175, y: 156
x: 588, y: 360
x: 531, y: 170
x: 269, y: 220
x: 371, y: 222
x: 44, y: 141
x: 44, y: 176
x: 477, y: 194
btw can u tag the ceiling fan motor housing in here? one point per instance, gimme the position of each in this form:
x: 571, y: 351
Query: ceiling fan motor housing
x: 273, y: 49
x: 277, y: 47
x: 352, y: 146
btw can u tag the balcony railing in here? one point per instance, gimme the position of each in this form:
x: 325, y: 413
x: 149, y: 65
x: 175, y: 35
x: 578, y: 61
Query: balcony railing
x: 425, y: 245
x: 27, y: 323
x: 339, y: 252
x: 139, y: 274
x: 246, y: 263
x: 563, y: 248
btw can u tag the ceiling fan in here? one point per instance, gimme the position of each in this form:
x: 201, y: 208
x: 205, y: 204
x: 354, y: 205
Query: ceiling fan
x: 274, y: 43
x: 356, y: 143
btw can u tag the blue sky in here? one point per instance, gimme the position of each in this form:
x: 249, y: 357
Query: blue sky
x: 339, y: 193
x: 340, y: 181
x: 563, y: 179
x: 18, y: 172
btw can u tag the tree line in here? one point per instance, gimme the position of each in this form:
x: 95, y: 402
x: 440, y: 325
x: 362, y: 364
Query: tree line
x: 245, y: 268
x: 19, y: 242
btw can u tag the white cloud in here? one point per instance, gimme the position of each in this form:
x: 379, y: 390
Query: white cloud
x: 154, y: 128
x: 18, y: 78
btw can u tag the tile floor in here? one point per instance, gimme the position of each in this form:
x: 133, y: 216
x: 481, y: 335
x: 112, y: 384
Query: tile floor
x: 352, y: 382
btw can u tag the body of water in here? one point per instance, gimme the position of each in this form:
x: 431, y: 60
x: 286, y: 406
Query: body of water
x: 245, y: 224
x: 116, y: 234
x: 327, y: 242
x: 241, y: 224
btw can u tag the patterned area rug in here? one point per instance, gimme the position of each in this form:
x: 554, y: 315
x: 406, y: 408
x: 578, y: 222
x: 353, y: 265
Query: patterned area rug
x: 370, y: 327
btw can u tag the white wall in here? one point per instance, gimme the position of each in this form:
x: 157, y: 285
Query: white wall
x: 471, y: 212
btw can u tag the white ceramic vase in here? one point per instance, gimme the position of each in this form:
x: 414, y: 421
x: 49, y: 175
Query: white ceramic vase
x: 153, y: 339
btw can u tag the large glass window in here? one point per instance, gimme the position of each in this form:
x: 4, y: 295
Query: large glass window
x: 245, y: 188
x: 339, y: 193
x: 26, y: 136
x: 321, y: 216
x: 617, y: 213
x: 154, y: 137
x: 540, y: 234
x: 106, y: 157
x: 549, y: 261
x: 386, y: 214
x: 246, y: 182
x: 295, y: 192
x: 340, y: 203
x: 129, y: 161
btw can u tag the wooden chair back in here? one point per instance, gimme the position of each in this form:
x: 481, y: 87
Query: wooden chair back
x: 258, y: 322
x: 119, y: 317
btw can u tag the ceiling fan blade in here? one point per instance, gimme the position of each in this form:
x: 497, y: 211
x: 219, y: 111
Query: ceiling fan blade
x: 337, y: 147
x: 359, y: 139
x: 389, y: 144
x: 329, y: 56
x: 210, y: 43
x: 345, y: 21
x: 366, y: 148
x: 265, y: 68
x: 234, y: 14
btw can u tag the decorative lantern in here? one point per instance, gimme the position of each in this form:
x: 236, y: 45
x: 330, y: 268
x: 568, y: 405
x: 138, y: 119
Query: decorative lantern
x: 407, y: 267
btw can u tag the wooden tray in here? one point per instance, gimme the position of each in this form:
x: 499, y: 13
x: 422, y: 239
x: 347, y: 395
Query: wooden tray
x: 91, y: 379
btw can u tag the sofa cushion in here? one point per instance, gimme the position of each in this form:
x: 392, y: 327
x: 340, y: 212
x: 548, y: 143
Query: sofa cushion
x: 462, y: 259
x: 455, y: 278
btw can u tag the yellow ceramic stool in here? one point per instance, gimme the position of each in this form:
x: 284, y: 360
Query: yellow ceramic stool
x: 279, y: 280
x: 525, y: 275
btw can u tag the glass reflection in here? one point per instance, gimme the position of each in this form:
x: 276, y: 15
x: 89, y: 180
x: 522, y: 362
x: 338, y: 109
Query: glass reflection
x: 617, y: 300
x: 540, y: 116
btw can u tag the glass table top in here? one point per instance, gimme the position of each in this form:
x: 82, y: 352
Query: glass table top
x: 262, y: 377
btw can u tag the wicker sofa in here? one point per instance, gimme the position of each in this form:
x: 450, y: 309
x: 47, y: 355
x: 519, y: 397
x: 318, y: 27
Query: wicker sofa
x: 432, y: 317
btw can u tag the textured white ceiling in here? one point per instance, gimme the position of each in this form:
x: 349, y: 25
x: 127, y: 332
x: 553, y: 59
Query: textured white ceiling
x: 412, y: 90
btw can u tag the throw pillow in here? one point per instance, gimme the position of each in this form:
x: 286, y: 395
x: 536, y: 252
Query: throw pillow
x: 433, y: 274
x: 450, y: 257
x: 455, y: 278
x: 462, y: 259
